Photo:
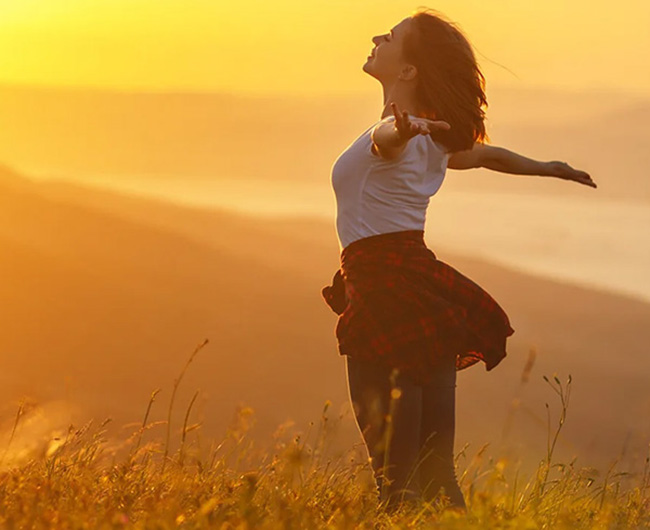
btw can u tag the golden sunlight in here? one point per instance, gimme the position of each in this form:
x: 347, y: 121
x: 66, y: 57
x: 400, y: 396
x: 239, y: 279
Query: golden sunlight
x: 319, y: 45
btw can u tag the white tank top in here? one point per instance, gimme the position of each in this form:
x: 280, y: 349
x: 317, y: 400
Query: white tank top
x: 376, y: 196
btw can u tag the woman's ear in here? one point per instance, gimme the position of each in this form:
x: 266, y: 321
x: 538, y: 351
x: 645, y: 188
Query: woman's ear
x: 408, y: 72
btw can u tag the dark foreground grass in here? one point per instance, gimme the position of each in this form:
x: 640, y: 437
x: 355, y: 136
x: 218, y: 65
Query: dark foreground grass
x: 292, y: 483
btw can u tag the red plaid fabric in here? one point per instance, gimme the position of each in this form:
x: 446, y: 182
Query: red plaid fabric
x: 400, y: 305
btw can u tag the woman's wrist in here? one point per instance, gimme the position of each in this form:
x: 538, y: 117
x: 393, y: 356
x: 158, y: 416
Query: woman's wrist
x: 549, y: 169
x: 386, y: 136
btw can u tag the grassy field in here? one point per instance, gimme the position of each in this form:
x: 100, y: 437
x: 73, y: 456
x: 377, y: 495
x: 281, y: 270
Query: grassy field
x: 82, y: 481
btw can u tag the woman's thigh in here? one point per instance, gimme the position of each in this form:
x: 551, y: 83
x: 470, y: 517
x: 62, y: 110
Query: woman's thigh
x: 368, y: 398
x: 370, y: 386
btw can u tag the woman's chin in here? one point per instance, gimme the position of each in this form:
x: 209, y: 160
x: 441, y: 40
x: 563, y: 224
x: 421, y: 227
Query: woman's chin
x: 369, y: 70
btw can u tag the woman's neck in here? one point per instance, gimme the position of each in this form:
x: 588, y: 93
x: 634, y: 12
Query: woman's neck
x: 403, y: 95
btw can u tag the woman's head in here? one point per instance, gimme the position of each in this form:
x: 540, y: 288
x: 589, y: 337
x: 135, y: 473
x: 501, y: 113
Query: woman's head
x: 386, y: 61
x: 434, y: 57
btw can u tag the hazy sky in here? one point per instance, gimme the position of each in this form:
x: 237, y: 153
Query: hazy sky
x: 311, y: 46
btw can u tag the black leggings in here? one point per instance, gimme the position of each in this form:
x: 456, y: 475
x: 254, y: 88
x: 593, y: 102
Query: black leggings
x: 420, y: 459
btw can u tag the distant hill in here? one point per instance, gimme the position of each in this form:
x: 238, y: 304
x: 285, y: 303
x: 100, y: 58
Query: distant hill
x: 76, y: 134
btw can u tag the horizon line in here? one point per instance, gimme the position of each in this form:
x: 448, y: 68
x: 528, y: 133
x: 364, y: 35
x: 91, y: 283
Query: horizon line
x: 640, y: 93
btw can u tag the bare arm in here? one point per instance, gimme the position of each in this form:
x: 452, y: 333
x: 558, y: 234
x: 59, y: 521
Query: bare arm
x: 505, y: 161
x: 497, y: 159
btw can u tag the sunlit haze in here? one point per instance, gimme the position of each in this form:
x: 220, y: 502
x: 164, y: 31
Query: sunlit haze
x: 310, y: 47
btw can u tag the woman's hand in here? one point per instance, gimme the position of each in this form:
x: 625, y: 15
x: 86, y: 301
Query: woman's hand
x: 565, y: 171
x: 407, y: 127
x: 391, y: 138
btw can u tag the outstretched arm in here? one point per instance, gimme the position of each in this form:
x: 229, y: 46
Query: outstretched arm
x: 505, y: 161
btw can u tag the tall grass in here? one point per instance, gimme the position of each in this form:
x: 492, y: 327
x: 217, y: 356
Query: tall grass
x: 293, y: 483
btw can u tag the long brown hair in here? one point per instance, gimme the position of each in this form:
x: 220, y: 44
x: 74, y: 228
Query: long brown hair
x: 450, y: 85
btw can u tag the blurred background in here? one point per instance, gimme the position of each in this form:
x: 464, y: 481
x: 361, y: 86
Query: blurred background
x: 165, y: 178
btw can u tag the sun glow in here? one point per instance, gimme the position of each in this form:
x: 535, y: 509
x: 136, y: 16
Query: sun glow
x: 307, y: 47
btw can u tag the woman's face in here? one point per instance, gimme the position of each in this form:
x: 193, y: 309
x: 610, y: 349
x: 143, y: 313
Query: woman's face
x: 385, y: 62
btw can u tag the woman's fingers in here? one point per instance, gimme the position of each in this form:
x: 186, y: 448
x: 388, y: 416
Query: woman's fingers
x: 406, y: 123
x: 439, y: 124
x: 397, y: 113
x: 587, y: 181
x: 565, y: 171
x: 584, y: 178
x: 399, y: 118
x: 580, y: 176
x: 403, y: 123
x: 410, y: 126
x: 433, y: 125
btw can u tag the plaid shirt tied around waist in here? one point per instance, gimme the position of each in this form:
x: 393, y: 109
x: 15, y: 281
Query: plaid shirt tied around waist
x: 398, y: 304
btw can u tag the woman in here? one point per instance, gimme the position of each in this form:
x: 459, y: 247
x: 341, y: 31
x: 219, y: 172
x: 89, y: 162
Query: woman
x: 408, y: 321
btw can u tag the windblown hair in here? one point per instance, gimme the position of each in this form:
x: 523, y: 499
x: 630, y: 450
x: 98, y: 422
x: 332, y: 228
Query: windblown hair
x: 450, y: 85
